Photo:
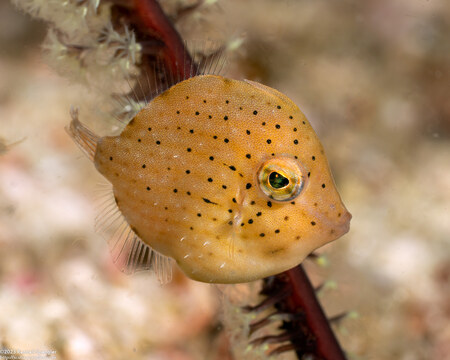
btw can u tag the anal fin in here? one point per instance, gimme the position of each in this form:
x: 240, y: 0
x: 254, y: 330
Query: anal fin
x: 129, y: 253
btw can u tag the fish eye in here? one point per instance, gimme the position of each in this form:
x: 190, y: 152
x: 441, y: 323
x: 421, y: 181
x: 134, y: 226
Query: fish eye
x: 277, y: 180
x: 281, y: 179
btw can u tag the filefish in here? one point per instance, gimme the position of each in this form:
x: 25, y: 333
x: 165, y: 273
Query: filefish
x: 226, y: 177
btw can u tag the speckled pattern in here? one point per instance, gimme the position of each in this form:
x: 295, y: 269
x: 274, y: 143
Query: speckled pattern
x: 185, y: 176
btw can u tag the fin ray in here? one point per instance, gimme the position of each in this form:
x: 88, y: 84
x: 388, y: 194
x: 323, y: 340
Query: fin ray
x: 128, y: 252
x: 83, y: 137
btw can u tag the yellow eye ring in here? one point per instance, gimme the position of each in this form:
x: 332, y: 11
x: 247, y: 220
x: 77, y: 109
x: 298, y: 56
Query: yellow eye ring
x: 281, y: 179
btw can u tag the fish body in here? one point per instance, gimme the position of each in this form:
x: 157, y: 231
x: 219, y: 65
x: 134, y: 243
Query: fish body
x: 227, y: 177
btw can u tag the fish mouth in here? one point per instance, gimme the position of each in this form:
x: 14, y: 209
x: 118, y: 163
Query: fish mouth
x: 343, y: 226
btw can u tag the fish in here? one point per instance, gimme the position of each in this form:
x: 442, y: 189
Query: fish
x: 225, y: 177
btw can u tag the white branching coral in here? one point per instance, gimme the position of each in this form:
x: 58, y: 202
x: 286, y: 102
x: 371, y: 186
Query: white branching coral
x: 83, y: 45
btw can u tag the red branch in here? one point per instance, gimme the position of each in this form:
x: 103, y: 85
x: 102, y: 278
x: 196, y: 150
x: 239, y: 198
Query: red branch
x: 303, y: 296
x: 175, y: 55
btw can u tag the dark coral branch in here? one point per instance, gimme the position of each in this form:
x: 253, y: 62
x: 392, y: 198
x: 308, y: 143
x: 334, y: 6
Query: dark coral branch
x: 164, y: 58
x: 303, y: 298
x: 175, y: 55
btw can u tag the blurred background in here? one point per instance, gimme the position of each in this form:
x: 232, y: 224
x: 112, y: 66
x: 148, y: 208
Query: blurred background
x: 373, y: 77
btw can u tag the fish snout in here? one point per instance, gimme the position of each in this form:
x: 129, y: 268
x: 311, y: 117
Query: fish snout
x: 343, y: 226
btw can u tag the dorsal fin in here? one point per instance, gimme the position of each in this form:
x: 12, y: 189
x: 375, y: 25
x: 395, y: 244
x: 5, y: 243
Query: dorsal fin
x: 129, y: 253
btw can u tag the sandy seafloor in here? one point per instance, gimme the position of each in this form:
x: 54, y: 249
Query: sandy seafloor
x: 373, y: 77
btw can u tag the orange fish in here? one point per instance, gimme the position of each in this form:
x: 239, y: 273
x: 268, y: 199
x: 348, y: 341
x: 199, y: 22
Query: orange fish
x: 226, y: 177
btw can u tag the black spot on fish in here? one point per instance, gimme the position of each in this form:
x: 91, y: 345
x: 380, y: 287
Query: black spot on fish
x: 209, y: 201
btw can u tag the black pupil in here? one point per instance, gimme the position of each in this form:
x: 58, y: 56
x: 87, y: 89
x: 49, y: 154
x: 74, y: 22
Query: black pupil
x: 278, y: 181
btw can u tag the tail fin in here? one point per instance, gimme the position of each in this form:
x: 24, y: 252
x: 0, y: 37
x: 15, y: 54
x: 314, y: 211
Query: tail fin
x: 83, y: 137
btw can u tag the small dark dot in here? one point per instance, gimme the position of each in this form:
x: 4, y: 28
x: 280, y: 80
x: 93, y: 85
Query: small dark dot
x: 323, y: 186
x: 304, y: 123
x: 225, y: 118
x: 158, y: 142
x: 295, y: 129
x: 199, y: 215
x: 248, y: 156
x: 214, y: 219
x: 204, y: 101
x: 278, y: 107
x: 339, y: 215
x: 232, y: 167
x: 139, y: 140
x: 269, y: 204
x: 230, y: 211
x: 248, y: 132
x: 297, y: 238
x: 273, y: 154
x: 178, y: 128
x: 290, y: 117
x: 189, y: 149
x: 277, y: 126
x: 178, y: 111
x: 269, y: 141
x: 314, y: 158
x: 296, y: 142
x: 191, y: 228
x: 230, y: 222
x: 191, y: 131
x: 187, y: 97
x: 313, y: 223
x: 210, y: 179
x: 240, y: 107
x: 143, y: 166
x: 255, y: 112
x: 263, y: 123
x: 259, y: 213
x: 286, y: 218
x: 148, y: 188
x: 309, y: 174
x: 250, y: 221
x: 295, y: 157
x: 262, y: 234
x: 252, y: 202
x: 211, y: 158
x: 234, y: 200
x: 248, y: 186
x: 110, y: 158
x: 224, y: 186
x: 175, y: 191
x: 166, y: 208
x: 226, y: 140
x: 209, y: 116
x: 215, y: 137
x: 188, y: 171
x: 188, y: 192
x: 197, y: 113
x: 277, y: 231
x: 227, y: 101
x: 149, y: 129
x: 242, y: 224
x: 292, y: 202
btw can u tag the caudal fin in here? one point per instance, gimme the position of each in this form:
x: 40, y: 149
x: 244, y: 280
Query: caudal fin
x: 83, y: 137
